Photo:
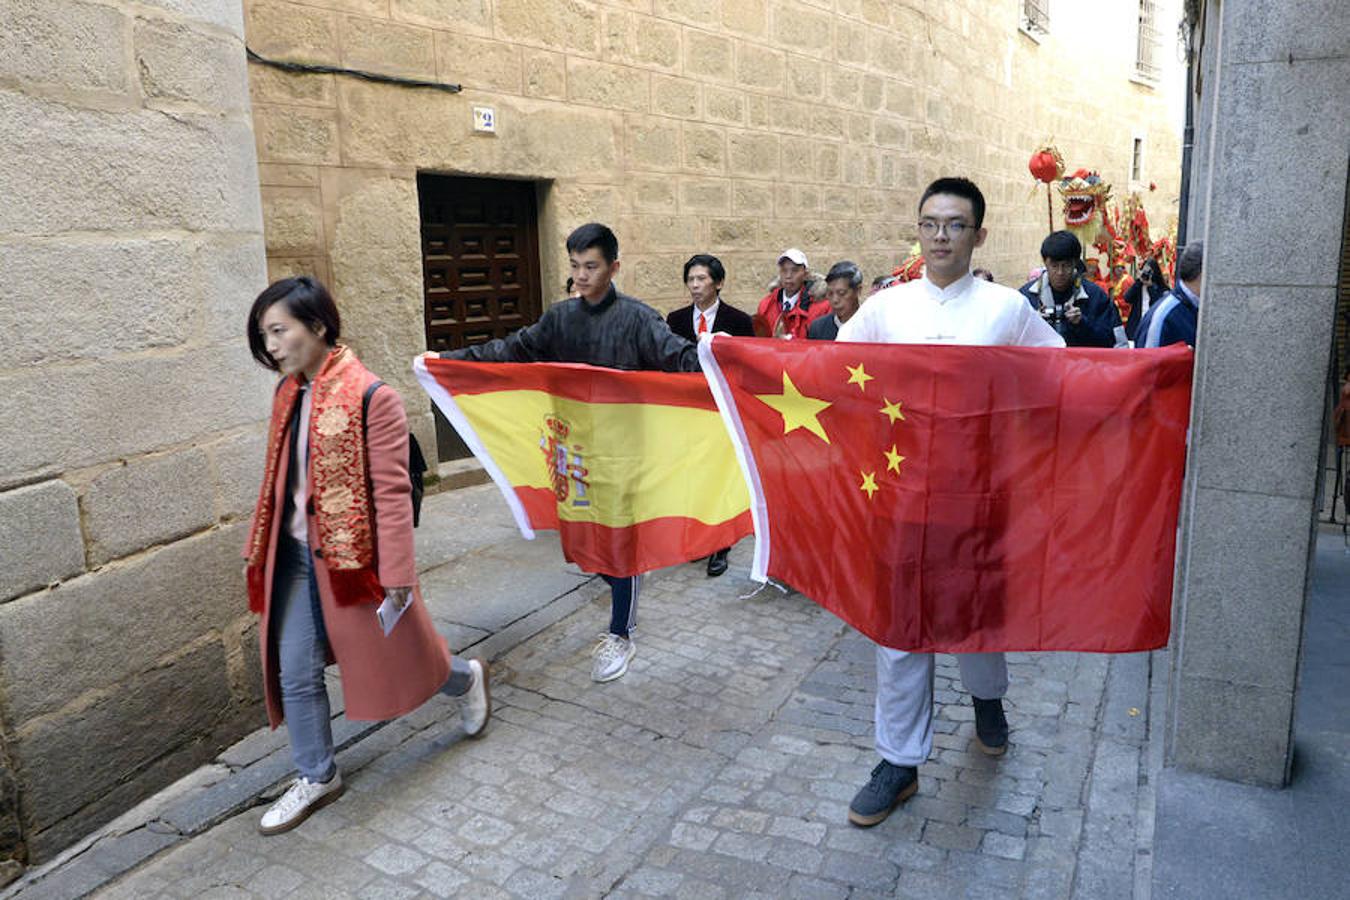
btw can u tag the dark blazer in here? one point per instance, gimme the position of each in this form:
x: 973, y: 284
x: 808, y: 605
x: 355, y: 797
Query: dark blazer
x: 729, y: 320
x: 826, y: 328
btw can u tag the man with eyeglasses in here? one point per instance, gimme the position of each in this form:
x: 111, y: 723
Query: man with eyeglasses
x: 1073, y: 304
x: 946, y: 306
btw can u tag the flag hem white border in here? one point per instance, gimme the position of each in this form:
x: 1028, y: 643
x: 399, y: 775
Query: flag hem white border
x: 731, y: 418
x: 450, y: 409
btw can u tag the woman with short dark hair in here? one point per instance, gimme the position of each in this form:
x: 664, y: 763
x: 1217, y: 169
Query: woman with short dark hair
x: 330, y: 543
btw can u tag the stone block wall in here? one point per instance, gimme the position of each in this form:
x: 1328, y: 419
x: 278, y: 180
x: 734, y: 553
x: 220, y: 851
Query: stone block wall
x: 130, y: 409
x: 737, y: 127
x: 1270, y: 171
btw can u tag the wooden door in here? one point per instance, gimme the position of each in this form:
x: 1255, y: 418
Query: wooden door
x: 480, y: 268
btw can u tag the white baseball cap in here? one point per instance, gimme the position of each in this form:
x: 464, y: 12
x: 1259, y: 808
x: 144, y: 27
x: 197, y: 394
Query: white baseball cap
x: 793, y: 254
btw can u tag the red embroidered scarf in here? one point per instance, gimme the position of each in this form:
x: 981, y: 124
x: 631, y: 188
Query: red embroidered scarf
x: 339, y: 485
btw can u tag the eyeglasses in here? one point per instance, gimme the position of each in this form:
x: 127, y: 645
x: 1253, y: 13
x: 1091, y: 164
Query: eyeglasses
x: 930, y: 228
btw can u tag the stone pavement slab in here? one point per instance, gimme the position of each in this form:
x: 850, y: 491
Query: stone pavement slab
x: 721, y: 765
x: 480, y: 602
x: 1219, y: 838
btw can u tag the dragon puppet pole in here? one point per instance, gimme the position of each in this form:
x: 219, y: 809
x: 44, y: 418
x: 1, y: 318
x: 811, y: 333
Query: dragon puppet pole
x: 1049, y: 208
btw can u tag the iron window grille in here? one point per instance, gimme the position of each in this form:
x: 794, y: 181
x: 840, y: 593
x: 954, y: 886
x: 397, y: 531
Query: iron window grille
x: 1036, y: 16
x: 1149, y: 48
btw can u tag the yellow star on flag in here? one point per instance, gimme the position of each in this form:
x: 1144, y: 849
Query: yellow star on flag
x: 797, y: 409
x: 856, y: 375
x: 893, y: 460
x: 869, y: 483
x: 892, y: 410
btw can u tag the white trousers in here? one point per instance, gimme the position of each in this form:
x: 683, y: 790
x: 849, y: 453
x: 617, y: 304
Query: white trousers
x: 904, y: 710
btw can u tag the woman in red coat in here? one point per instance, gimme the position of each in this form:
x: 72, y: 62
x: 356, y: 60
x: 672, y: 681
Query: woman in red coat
x: 331, y: 538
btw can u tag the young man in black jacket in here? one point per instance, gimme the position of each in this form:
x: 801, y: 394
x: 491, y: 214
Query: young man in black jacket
x: 600, y: 327
x: 1082, y: 313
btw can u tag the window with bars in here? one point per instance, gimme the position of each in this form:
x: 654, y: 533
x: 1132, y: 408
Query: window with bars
x: 1137, y: 160
x: 1036, y: 16
x: 1147, y: 62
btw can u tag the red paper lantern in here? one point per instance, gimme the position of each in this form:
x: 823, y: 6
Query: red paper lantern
x: 1046, y: 165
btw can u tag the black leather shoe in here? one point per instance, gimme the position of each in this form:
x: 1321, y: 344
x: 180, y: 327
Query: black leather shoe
x: 717, y: 563
x: 889, y: 786
x: 991, y: 726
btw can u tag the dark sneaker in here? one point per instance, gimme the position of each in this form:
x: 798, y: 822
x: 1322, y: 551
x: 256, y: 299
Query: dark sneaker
x: 991, y: 726
x: 717, y: 563
x: 890, y: 786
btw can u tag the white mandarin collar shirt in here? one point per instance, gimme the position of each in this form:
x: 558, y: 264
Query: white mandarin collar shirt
x: 968, y: 311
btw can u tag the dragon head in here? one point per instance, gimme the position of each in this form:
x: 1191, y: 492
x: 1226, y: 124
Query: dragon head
x: 1084, y: 195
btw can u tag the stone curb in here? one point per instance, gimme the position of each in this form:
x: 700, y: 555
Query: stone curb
x: 122, y: 846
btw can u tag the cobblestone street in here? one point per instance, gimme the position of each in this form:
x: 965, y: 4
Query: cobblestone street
x: 720, y: 766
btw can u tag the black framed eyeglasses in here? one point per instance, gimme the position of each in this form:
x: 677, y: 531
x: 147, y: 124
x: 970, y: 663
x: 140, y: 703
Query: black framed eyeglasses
x: 931, y: 228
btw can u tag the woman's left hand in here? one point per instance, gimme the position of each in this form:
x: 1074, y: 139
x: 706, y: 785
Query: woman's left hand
x: 399, y: 596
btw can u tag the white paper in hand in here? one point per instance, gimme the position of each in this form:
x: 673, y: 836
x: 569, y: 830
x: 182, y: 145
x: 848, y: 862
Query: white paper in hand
x: 389, y: 613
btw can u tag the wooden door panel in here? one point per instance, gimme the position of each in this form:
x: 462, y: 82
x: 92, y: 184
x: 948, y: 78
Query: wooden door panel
x: 480, y: 265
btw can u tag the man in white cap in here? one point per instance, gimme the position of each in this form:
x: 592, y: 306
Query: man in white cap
x: 789, y: 309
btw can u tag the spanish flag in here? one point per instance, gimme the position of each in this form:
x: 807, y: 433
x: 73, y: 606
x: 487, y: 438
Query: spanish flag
x: 964, y: 499
x: 633, y: 469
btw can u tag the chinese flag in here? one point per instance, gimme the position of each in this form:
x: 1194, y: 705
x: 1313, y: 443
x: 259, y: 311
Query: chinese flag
x: 633, y: 469
x: 964, y: 499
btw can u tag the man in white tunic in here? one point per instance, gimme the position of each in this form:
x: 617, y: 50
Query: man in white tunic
x: 946, y: 306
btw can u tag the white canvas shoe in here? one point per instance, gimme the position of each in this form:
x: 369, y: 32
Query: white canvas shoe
x: 612, y: 655
x: 301, y: 798
x: 476, y: 705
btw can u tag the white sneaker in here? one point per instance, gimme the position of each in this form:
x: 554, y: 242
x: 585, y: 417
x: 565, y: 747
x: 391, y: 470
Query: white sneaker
x: 476, y: 705
x: 301, y: 798
x: 612, y: 655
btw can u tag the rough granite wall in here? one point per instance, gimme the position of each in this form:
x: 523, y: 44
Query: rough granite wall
x: 1269, y: 76
x: 738, y: 127
x: 130, y: 242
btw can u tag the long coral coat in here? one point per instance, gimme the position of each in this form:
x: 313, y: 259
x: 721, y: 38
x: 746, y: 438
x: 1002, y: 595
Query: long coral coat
x: 382, y: 677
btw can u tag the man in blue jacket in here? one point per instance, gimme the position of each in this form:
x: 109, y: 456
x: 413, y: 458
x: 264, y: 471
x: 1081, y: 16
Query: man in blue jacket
x: 1082, y: 313
x: 1174, y: 317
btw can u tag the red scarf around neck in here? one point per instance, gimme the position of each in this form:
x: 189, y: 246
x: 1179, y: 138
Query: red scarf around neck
x: 339, y: 483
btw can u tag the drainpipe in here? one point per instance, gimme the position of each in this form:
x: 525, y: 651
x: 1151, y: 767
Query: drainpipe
x: 1187, y: 135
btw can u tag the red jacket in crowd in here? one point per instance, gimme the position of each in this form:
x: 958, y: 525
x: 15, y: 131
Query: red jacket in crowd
x: 797, y: 319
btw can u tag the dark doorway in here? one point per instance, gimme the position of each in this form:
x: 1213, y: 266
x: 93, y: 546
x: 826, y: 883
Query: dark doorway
x: 480, y: 268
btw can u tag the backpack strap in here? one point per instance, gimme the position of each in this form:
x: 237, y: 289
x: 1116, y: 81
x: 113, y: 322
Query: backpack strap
x: 416, y: 462
x: 365, y: 402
